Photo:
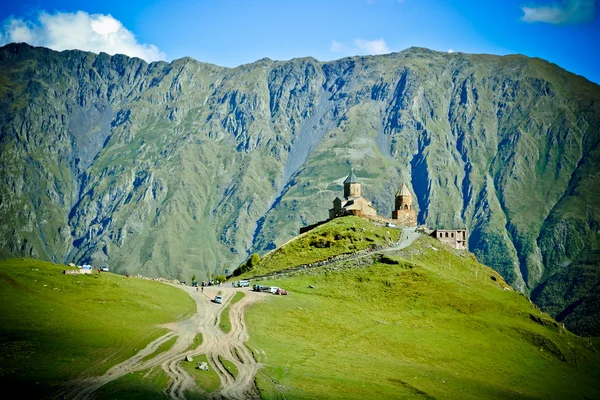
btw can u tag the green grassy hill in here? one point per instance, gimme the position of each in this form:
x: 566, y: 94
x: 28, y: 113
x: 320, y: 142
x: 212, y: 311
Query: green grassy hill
x: 423, y: 322
x: 55, y: 327
x: 337, y: 237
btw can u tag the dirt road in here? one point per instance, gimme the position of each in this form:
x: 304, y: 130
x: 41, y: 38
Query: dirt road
x: 215, y: 345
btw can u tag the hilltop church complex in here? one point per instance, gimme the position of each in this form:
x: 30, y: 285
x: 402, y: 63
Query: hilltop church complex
x: 354, y: 204
x: 403, y: 214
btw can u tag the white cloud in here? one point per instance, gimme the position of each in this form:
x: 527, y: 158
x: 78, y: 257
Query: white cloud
x: 80, y: 30
x: 565, y: 12
x: 450, y: 51
x: 336, y: 46
x: 377, y: 46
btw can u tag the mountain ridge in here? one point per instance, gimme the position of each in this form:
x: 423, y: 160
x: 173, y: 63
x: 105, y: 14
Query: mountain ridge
x: 181, y: 167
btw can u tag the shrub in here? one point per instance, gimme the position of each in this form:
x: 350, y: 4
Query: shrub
x: 388, y: 260
x: 247, y: 265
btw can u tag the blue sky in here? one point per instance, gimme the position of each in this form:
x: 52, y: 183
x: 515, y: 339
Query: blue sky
x: 230, y: 33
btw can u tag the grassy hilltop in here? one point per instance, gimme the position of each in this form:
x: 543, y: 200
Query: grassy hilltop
x: 55, y: 327
x: 338, y: 237
x: 424, y: 322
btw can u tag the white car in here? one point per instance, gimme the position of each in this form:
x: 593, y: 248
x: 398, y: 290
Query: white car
x: 218, y: 299
x: 273, y: 289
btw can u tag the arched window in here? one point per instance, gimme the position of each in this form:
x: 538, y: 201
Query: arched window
x: 406, y: 206
x: 446, y: 234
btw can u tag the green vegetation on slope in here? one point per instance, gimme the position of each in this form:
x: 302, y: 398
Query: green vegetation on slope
x: 339, y: 236
x: 197, y: 342
x: 140, y: 385
x: 162, y: 348
x: 571, y: 290
x: 208, y: 381
x: 225, y: 324
x: 425, y: 322
x: 56, y: 327
x: 229, y: 366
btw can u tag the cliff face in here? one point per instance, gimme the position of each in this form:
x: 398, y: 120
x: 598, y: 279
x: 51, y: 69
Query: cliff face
x: 175, y: 168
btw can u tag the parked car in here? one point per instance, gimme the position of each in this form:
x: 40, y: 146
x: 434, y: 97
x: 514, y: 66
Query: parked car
x: 282, y: 292
x: 243, y: 283
x: 273, y: 289
x: 218, y: 299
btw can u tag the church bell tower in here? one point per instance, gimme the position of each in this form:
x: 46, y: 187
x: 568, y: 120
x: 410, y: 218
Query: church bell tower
x: 403, y: 208
x: 351, y: 186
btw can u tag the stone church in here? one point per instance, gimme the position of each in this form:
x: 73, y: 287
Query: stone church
x: 403, y: 210
x: 403, y: 214
x: 354, y: 204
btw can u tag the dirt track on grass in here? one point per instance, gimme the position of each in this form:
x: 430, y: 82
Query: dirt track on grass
x: 215, y: 344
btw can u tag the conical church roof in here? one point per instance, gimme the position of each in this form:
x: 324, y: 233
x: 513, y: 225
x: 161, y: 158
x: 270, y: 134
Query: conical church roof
x: 403, y: 191
x: 351, y: 178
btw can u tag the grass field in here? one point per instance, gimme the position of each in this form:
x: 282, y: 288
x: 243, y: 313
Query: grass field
x: 208, y: 381
x: 55, y: 327
x: 142, y: 385
x: 225, y: 323
x: 427, y: 322
x: 229, y: 366
x: 197, y: 342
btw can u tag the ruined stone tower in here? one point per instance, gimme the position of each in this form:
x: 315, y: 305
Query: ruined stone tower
x: 403, y: 210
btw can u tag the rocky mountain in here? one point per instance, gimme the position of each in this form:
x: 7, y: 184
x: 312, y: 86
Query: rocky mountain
x: 185, y: 167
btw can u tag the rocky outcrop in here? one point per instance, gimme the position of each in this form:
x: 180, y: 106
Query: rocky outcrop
x: 170, y: 169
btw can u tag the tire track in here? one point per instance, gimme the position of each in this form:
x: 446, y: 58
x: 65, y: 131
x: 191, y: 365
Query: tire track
x: 215, y: 344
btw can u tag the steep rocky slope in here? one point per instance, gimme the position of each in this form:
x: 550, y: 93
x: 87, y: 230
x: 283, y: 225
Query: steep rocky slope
x: 182, y: 167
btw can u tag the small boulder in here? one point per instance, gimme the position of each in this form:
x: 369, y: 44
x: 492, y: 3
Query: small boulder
x: 202, y: 366
x: 189, y: 358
